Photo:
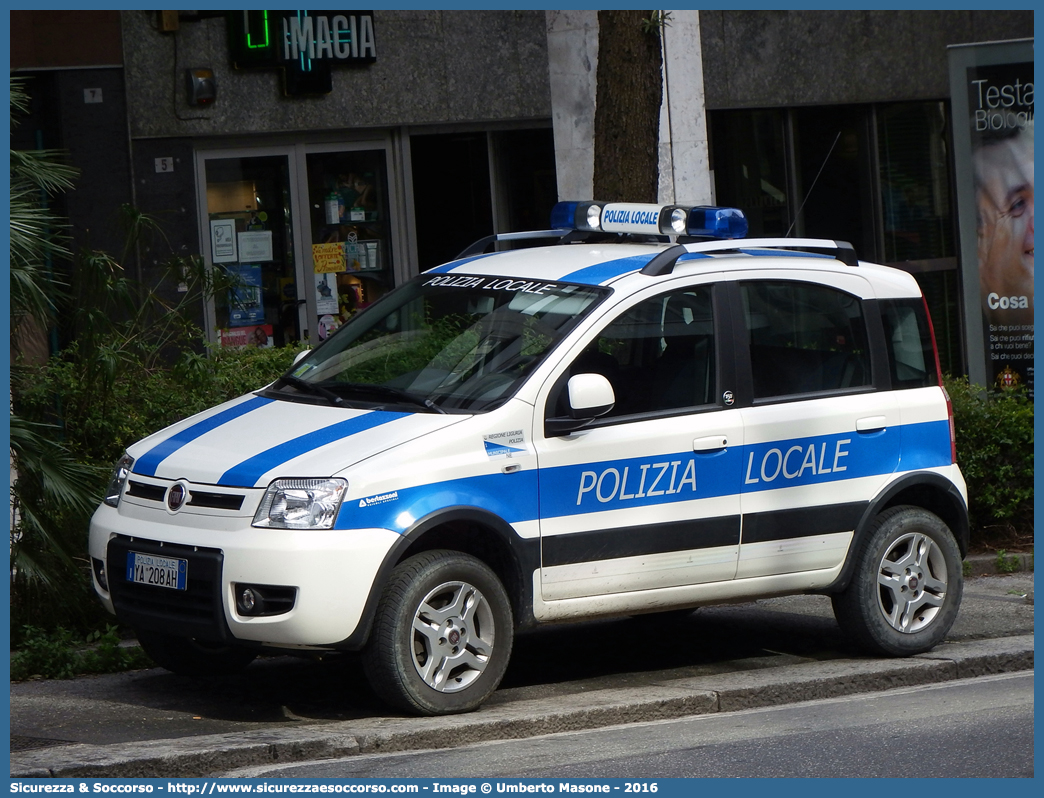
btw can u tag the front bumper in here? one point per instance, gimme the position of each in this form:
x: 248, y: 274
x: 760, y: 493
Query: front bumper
x: 330, y: 572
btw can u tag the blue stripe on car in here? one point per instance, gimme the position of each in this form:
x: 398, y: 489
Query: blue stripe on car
x: 247, y: 473
x: 147, y: 464
x: 602, y: 272
x: 593, y: 487
x: 512, y: 497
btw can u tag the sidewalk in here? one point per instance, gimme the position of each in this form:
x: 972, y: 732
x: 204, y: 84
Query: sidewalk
x: 145, y: 724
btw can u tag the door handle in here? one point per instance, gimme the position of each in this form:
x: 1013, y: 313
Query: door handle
x: 871, y: 424
x: 710, y: 443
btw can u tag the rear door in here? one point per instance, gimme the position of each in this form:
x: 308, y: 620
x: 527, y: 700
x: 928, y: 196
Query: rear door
x: 648, y: 496
x: 821, y: 428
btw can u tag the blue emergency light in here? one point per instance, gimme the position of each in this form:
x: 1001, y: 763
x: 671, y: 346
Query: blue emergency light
x: 650, y: 219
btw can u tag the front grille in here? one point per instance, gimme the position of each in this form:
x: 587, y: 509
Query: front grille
x: 194, y: 612
x: 216, y: 501
x: 198, y: 498
x: 142, y: 490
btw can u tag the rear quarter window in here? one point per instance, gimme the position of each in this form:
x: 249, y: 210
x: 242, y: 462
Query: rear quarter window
x: 908, y: 335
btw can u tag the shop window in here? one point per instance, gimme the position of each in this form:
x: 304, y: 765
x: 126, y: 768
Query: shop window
x: 527, y: 182
x: 351, y: 240
x: 749, y: 161
x: 248, y: 207
x: 941, y: 291
x: 893, y: 203
x: 915, y: 184
x: 834, y: 176
x: 451, y: 194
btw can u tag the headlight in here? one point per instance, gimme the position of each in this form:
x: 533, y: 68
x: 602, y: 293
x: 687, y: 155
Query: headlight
x: 301, y: 504
x: 120, y: 473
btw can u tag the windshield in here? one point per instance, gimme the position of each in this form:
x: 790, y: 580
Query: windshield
x: 441, y: 343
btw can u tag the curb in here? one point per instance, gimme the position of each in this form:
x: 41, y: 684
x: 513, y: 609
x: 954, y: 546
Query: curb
x: 983, y: 564
x: 207, y: 755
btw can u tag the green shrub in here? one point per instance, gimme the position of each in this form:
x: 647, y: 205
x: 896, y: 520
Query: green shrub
x: 995, y: 453
x: 1007, y: 563
x: 98, y: 421
x: 101, y: 419
x: 59, y: 655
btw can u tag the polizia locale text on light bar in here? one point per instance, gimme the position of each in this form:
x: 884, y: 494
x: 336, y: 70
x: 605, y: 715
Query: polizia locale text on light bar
x: 650, y: 219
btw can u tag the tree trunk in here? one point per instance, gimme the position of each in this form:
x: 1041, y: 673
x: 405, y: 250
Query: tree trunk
x: 627, y: 108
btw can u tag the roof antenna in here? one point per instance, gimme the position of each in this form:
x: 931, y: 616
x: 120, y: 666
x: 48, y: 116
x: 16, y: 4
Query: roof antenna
x: 809, y: 192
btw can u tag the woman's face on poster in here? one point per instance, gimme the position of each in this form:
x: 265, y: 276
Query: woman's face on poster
x: 1004, y: 173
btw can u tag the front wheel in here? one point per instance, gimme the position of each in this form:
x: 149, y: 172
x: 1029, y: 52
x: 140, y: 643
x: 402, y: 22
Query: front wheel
x: 904, y: 595
x: 188, y: 657
x: 442, y: 635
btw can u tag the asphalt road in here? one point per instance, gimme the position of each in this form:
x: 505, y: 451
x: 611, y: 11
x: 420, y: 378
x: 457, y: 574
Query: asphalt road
x: 280, y: 692
x: 964, y: 729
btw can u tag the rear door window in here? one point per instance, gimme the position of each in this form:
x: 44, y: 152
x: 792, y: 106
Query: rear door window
x: 804, y: 338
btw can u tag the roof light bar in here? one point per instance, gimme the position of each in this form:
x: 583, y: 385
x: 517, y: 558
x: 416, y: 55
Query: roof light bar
x: 717, y: 222
x: 650, y: 219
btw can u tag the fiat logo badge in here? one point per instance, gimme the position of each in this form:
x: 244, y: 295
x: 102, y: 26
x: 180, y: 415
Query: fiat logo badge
x: 177, y: 495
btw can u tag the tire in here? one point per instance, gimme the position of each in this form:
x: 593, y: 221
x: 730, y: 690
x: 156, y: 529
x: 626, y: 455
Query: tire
x: 904, y: 595
x: 188, y: 657
x: 442, y: 635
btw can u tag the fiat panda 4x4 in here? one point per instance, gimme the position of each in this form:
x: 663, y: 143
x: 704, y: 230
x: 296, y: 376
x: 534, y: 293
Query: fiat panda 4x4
x: 651, y: 414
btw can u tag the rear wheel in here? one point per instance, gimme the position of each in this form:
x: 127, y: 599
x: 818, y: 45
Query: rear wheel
x: 904, y: 595
x: 188, y: 657
x: 442, y: 635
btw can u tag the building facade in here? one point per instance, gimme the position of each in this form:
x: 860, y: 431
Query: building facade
x: 823, y: 124
x: 441, y: 127
x: 320, y: 182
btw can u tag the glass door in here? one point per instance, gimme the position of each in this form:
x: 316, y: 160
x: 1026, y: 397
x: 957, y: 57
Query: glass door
x: 306, y: 233
x: 349, y: 233
x: 247, y: 209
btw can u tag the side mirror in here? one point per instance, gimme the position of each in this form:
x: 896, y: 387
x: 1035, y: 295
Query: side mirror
x: 590, y: 396
x: 301, y: 356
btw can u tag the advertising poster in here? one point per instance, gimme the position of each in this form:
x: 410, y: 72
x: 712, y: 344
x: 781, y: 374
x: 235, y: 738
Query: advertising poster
x: 259, y: 335
x: 245, y: 304
x: 994, y: 156
x: 328, y: 258
x: 326, y: 293
x: 255, y: 245
x: 223, y: 241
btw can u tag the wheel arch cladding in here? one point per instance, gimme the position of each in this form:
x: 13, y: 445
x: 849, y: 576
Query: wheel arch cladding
x: 488, y: 538
x: 927, y: 490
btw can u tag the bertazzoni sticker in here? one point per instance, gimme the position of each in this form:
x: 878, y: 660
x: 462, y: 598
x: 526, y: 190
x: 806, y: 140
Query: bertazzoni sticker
x: 382, y: 498
x: 505, y: 444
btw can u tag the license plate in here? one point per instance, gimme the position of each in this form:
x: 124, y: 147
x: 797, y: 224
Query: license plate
x: 157, y: 570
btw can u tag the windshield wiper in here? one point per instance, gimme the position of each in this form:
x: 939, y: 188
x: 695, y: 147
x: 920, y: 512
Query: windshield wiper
x: 395, y: 393
x: 312, y: 388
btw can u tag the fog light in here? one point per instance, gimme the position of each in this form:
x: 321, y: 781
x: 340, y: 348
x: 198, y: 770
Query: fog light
x: 263, y: 600
x: 99, y: 573
x: 248, y: 601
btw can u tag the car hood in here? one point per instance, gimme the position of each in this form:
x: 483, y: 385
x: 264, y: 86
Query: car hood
x: 250, y: 441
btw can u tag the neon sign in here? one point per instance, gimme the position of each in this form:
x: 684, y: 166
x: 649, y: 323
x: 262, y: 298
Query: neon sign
x: 303, y: 44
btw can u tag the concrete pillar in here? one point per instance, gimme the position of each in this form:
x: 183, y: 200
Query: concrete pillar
x: 684, y: 165
x: 684, y: 154
x: 572, y: 54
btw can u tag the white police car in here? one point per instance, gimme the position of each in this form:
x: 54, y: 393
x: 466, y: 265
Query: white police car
x: 633, y: 420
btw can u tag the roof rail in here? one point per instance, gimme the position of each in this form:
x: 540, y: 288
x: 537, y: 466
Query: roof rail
x: 664, y: 262
x: 479, y: 246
